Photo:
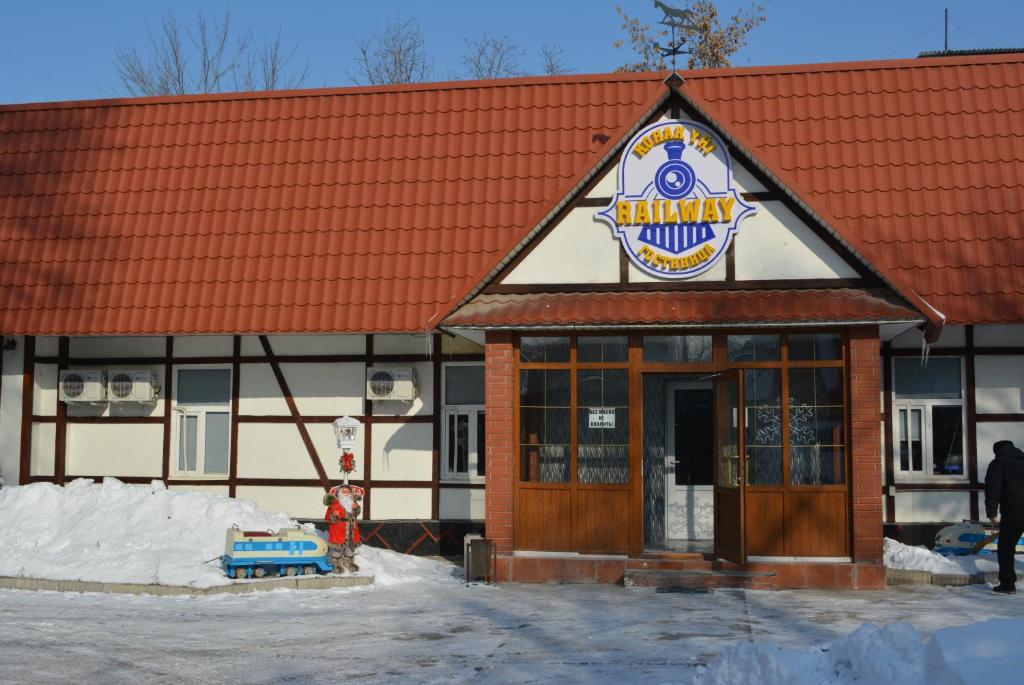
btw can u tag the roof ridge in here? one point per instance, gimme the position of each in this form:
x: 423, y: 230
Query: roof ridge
x: 450, y: 85
x: 857, y: 65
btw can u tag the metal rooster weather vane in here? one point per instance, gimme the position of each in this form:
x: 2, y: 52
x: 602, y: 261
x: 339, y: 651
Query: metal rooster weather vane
x: 679, y: 21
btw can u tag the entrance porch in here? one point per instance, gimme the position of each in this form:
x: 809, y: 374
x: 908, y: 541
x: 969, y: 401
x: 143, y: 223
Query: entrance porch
x: 597, y: 471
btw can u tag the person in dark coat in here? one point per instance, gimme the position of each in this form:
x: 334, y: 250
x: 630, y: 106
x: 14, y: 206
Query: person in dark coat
x: 1004, y: 496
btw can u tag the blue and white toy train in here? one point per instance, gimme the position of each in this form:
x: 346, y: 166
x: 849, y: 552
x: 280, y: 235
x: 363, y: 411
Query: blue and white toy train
x: 288, y: 552
x: 966, y: 538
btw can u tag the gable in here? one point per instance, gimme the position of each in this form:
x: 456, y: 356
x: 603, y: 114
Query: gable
x: 773, y: 244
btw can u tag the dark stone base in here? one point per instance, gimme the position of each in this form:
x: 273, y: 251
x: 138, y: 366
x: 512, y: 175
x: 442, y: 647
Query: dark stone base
x: 914, y: 533
x: 422, y: 538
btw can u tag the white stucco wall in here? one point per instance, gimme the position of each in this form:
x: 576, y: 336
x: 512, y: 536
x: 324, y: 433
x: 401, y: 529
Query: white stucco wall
x: 999, y: 384
x: 325, y: 389
x: 44, y: 390
x: 578, y: 250
x: 1001, y: 335
x: 406, y: 343
x: 934, y: 506
x: 400, y: 503
x: 461, y: 503
x: 43, y: 449
x: 402, y: 451
x: 113, y: 449
x: 298, y: 502
x: 273, y: 450
x: 259, y: 393
x: 10, y: 411
x: 118, y: 347
x: 203, y: 346
x: 950, y: 336
x: 774, y: 244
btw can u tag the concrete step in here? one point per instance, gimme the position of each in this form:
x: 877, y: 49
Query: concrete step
x: 698, y: 579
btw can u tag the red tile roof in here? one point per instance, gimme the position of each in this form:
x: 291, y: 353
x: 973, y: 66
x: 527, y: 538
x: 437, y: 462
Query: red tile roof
x: 722, y: 307
x: 371, y: 209
x: 920, y: 161
x: 359, y: 210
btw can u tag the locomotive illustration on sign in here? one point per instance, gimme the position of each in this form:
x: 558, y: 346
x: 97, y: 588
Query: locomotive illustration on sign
x: 676, y: 209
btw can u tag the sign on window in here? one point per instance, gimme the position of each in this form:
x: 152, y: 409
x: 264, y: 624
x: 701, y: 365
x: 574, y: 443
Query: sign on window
x: 602, y: 418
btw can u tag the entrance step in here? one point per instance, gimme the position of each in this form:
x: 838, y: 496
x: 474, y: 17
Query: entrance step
x: 698, y: 579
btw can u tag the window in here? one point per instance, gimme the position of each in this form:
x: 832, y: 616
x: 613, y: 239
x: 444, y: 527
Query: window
x: 677, y: 349
x: 603, y: 425
x: 544, y: 425
x: 463, y: 422
x: 928, y: 410
x: 202, y: 421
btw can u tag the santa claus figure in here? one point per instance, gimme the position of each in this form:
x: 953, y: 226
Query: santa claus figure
x: 342, y: 510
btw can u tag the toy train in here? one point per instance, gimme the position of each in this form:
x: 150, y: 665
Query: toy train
x: 967, y: 538
x: 288, y: 552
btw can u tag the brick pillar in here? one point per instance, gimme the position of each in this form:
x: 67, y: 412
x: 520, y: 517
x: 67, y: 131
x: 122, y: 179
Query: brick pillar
x: 501, y: 458
x: 866, y: 444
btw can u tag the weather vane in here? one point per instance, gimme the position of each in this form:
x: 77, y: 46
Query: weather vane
x: 679, y: 22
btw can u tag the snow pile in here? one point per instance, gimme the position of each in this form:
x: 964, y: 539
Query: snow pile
x: 391, y: 568
x: 117, y: 533
x: 898, y: 555
x: 986, y: 652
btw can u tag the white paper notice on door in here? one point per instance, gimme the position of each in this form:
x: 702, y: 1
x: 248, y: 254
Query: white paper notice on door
x: 602, y: 418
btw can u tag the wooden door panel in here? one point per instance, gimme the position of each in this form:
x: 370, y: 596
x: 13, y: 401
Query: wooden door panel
x: 543, y: 520
x: 601, y: 522
x: 816, y: 524
x: 765, y: 524
x: 728, y: 527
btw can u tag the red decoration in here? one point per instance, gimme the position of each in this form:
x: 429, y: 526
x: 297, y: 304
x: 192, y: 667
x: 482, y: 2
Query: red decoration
x: 348, y: 462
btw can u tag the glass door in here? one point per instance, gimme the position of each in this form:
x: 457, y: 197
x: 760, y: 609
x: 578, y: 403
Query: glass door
x: 730, y: 468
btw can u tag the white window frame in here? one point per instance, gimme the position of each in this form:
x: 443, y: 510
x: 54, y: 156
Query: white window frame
x: 177, y: 411
x: 927, y: 457
x: 450, y: 410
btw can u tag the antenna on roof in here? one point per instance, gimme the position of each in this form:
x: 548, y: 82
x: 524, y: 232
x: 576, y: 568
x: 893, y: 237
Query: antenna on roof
x: 679, y: 21
x: 945, y: 40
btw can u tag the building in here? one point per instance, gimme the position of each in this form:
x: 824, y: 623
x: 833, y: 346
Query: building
x: 757, y: 312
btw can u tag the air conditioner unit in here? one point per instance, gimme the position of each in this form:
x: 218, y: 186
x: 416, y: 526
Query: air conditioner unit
x: 131, y: 386
x: 82, y: 385
x: 391, y: 384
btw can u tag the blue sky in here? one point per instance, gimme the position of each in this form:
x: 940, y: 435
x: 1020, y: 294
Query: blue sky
x: 63, y: 49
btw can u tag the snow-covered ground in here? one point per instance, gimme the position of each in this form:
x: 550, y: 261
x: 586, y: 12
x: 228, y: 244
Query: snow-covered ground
x: 442, y: 633
x: 419, y: 624
x: 116, y: 533
x: 898, y: 555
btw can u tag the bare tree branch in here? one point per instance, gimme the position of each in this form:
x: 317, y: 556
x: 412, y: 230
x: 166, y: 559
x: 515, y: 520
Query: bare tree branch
x: 395, y: 54
x: 208, y: 57
x: 553, y: 60
x: 491, y: 56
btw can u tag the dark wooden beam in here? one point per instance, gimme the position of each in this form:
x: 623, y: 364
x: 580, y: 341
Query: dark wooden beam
x: 236, y: 381
x: 999, y: 418
x: 294, y: 411
x: 887, y: 441
x: 435, y: 438
x: 970, y: 405
x: 165, y: 462
x: 684, y: 286
x: 368, y: 419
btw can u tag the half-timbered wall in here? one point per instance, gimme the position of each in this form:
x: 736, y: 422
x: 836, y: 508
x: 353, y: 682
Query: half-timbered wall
x: 992, y: 360
x: 773, y: 244
x: 285, y: 392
